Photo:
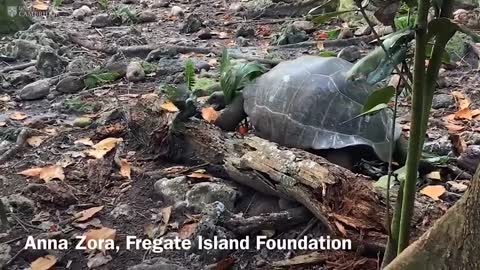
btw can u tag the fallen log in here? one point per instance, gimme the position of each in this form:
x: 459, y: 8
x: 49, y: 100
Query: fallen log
x: 345, y: 203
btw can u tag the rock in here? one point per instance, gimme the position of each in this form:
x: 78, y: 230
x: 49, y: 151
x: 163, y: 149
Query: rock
x: 205, y: 34
x: 346, y: 33
x: 363, y: 30
x: 236, y: 7
x: 49, y: 64
x: 350, y: 53
x: 70, y: 85
x: 306, y: 26
x: 123, y: 211
x: 242, y: 42
x: 82, y: 122
x: 101, y: 20
x: 129, y: 1
x: 35, y: 90
x: 4, y: 255
x: 457, y: 187
x: 457, y: 46
x: 161, y: 3
x: 146, y: 17
x: 472, y: 137
x: 440, y: 147
x: 289, y: 35
x: 245, y: 30
x: 157, y: 264
x: 470, y: 159
x: 205, y: 193
x: 79, y: 65
x: 25, y: 49
x: 18, y: 203
x: 20, y: 77
x: 51, y: 193
x: 80, y: 13
x: 442, y: 101
x: 135, y: 72
x: 172, y: 190
x: 192, y: 24
x: 177, y: 11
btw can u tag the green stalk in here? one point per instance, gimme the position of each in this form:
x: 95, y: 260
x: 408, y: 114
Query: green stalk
x: 392, y: 243
x: 434, y: 67
x: 414, y: 145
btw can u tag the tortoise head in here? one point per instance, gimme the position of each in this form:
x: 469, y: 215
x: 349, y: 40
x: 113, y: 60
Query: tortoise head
x: 376, y: 66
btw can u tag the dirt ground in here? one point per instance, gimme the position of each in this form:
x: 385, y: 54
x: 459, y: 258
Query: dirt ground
x: 111, y: 182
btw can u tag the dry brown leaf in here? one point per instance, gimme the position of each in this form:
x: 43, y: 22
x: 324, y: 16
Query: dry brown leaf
x: 434, y: 176
x: 340, y: 228
x: 45, y: 173
x: 475, y: 112
x: 465, y: 113
x: 88, y: 213
x: 169, y: 107
x: 103, y: 147
x: 84, y: 141
x: 43, y: 263
x: 99, y: 236
x: 454, y: 128
x: 166, y: 213
x: 40, y: 5
x: 199, y: 175
x: 35, y: 141
x: 306, y: 259
x: 3, y: 123
x: 5, y: 98
x: 51, y: 172
x: 449, y: 118
x: 125, y: 169
x: 320, y: 46
x: 50, y: 131
x: 187, y: 230
x: 433, y: 192
x: 33, y: 172
x: 209, y: 114
x: 18, y: 116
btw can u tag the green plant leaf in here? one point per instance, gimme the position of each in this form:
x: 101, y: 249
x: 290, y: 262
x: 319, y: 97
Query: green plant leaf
x: 402, y: 22
x: 323, y: 18
x: 383, y: 181
x: 235, y: 77
x: 445, y: 57
x: 189, y: 74
x: 327, y: 54
x: 333, y: 34
x: 100, y: 78
x: 375, y: 109
x: 379, y: 96
x: 441, y: 28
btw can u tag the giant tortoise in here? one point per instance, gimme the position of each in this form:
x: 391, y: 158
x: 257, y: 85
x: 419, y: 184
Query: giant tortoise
x: 309, y: 103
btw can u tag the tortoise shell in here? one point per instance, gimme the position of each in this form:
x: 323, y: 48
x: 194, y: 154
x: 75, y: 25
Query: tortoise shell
x: 308, y: 103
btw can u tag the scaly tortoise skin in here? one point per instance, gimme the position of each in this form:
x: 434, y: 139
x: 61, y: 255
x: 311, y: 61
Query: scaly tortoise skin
x: 308, y: 103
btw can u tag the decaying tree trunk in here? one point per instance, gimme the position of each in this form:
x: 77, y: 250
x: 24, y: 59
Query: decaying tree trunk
x: 452, y: 242
x: 346, y: 203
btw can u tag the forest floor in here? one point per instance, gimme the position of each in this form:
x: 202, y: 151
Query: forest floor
x: 55, y: 175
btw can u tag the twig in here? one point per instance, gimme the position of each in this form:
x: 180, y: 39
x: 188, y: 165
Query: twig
x: 273, y: 21
x: 18, y: 67
x: 12, y: 240
x: 329, y: 43
x: 21, y: 139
